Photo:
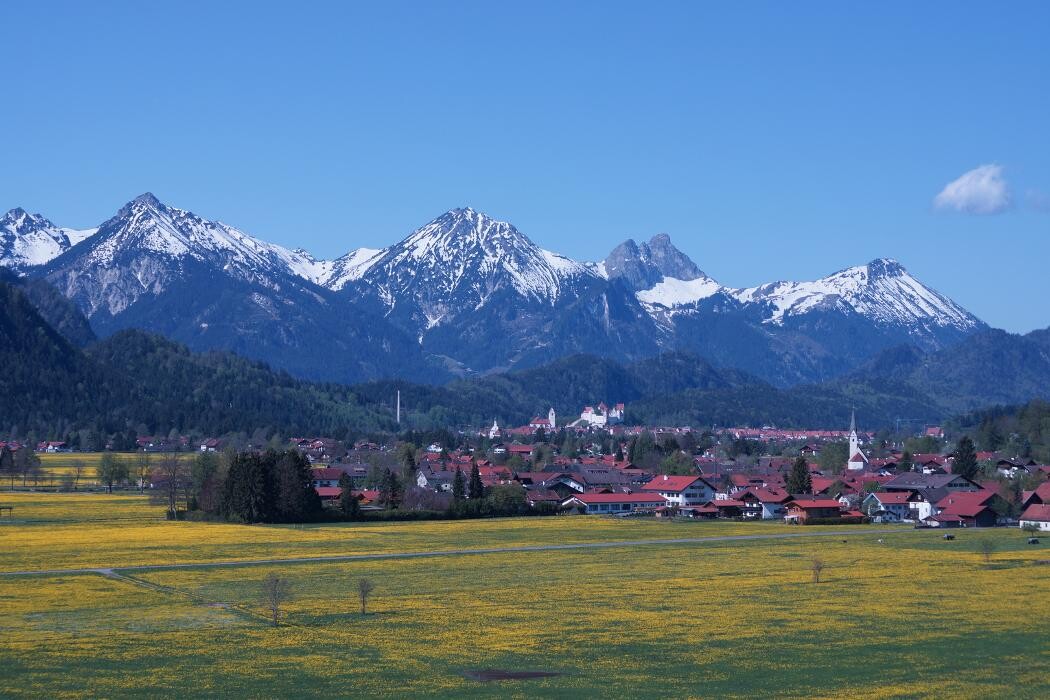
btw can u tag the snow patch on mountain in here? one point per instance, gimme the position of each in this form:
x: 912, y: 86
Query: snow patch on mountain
x: 671, y: 292
x: 350, y: 267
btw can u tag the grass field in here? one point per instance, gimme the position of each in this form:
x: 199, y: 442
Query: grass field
x: 56, y: 467
x: 914, y: 616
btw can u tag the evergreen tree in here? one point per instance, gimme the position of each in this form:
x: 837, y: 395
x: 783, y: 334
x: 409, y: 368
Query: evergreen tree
x: 348, y: 503
x: 390, y: 490
x: 247, y: 491
x: 907, y: 463
x: 619, y: 451
x: 475, y: 489
x: 799, y: 480
x: 965, y: 463
x: 459, y: 485
x: 295, y: 499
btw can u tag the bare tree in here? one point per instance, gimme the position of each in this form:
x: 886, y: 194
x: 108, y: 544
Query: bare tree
x: 816, y: 566
x: 172, y: 479
x: 987, y: 546
x: 142, y: 469
x: 276, y: 591
x: 78, y: 471
x: 364, y: 589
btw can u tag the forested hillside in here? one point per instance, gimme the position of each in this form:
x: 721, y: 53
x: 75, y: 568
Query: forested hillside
x: 134, y: 381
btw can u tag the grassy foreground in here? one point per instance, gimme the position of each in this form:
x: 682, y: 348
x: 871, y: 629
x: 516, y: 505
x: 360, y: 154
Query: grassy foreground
x: 913, y: 616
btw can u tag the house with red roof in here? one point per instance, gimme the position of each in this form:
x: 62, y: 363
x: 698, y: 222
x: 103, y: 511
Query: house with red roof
x: 801, y: 509
x: 1036, y: 515
x: 974, y: 509
x: 615, y: 503
x: 766, y: 503
x: 681, y: 491
x: 1041, y: 494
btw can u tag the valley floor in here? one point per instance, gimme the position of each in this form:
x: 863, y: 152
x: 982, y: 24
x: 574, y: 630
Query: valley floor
x: 912, y: 616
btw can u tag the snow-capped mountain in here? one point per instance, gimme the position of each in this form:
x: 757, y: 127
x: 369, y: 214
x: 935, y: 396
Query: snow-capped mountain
x: 212, y: 286
x: 462, y: 253
x: 466, y: 293
x: 449, y: 270
x: 147, y: 246
x: 30, y: 239
x: 882, y: 291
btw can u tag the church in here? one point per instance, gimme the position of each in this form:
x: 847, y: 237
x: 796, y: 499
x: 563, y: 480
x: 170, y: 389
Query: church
x: 857, y: 460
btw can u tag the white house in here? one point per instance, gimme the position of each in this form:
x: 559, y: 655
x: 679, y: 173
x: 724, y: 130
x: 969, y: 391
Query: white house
x: 681, y: 490
x: 888, y: 506
x: 1037, y: 515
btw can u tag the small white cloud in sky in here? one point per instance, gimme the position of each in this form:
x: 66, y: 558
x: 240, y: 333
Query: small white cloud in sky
x: 979, y: 191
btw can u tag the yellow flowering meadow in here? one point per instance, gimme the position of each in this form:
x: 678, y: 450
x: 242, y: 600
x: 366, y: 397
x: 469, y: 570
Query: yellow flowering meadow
x: 912, y: 616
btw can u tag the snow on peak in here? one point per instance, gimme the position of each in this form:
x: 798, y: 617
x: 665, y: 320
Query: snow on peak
x: 882, y: 290
x: 461, y: 251
x: 28, y: 239
x: 147, y: 226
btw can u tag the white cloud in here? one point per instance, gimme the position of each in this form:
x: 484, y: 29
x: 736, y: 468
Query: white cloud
x: 979, y: 191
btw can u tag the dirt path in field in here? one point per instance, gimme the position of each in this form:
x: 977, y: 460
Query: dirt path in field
x: 112, y: 571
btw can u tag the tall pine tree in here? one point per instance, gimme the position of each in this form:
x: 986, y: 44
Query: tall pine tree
x: 459, y: 485
x: 475, y: 489
x: 965, y: 463
x: 799, y: 480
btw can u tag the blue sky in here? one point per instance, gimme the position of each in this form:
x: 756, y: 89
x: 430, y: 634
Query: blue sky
x: 770, y: 140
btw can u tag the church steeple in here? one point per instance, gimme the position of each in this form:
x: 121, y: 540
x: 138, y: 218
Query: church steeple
x: 856, y: 457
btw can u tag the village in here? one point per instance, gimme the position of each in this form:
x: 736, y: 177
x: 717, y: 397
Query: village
x: 595, y: 465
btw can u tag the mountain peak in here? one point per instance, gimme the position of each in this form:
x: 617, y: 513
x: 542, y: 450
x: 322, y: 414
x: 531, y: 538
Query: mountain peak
x: 644, y: 265
x: 885, y: 267
x: 147, y: 198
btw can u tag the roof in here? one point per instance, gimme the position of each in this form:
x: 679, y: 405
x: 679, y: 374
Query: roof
x: 670, y: 483
x: 917, y: 480
x: 765, y: 495
x: 1037, y: 511
x: 968, y: 505
x: 1041, y: 494
x: 327, y: 473
x: 618, y: 498
x: 329, y: 491
x: 887, y: 498
x: 807, y: 503
x: 968, y: 498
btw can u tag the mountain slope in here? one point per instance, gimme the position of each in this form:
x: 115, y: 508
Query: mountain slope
x: 133, y: 379
x: 990, y: 367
